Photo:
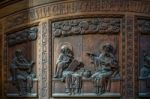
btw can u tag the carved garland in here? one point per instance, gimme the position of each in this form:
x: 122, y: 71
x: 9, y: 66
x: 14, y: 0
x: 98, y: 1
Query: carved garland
x: 86, y: 26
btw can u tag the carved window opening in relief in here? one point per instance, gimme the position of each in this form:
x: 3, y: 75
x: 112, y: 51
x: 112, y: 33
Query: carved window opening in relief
x: 21, y: 63
x: 85, y: 57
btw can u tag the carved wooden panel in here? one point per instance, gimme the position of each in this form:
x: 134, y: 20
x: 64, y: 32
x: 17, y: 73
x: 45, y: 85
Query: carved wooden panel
x: 84, y: 40
x: 21, y: 64
x: 144, y: 54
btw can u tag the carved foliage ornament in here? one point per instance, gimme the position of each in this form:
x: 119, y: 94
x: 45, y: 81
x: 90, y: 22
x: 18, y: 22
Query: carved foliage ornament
x: 144, y: 26
x: 22, y: 36
x: 86, y: 26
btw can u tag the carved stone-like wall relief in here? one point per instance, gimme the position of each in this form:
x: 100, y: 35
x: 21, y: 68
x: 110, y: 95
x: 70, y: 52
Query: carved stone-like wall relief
x: 21, y: 63
x: 85, y: 57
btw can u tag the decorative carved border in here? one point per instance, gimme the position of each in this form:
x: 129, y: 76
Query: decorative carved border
x: 70, y: 7
x: 86, y: 26
x: 130, y: 52
x: 44, y: 62
x: 136, y: 55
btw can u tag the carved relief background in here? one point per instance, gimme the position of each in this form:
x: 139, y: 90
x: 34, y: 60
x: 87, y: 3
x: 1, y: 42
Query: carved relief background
x: 21, y: 63
x: 144, y: 54
x: 85, y: 36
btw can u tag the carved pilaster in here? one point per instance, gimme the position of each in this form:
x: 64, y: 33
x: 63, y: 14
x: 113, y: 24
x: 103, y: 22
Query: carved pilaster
x: 129, y: 57
x: 44, y: 62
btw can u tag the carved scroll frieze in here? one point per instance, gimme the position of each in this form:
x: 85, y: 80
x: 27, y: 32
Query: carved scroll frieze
x: 22, y: 36
x: 86, y: 26
x: 144, y: 26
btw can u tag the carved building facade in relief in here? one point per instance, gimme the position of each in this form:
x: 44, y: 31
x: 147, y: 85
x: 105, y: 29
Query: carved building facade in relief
x: 75, y: 48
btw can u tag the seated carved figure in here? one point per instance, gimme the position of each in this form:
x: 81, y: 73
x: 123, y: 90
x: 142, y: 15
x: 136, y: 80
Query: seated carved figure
x: 63, y: 61
x: 106, y: 67
x: 66, y: 69
x: 22, y: 74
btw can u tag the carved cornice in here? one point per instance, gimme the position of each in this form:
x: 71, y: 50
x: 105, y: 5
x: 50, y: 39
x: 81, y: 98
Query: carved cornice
x: 77, y: 7
x: 4, y: 3
x: 144, y: 26
x: 22, y: 36
x: 86, y: 26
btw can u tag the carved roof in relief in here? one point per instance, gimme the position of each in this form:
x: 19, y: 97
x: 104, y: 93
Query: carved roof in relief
x: 86, y: 26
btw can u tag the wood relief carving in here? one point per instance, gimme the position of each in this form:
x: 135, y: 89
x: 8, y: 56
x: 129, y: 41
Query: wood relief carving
x: 86, y: 26
x: 144, y: 69
x: 21, y: 64
x: 106, y: 66
x: 22, y: 73
x: 144, y: 26
x: 44, y: 93
x: 129, y: 56
x: 23, y: 36
x: 75, y: 6
x: 95, y: 62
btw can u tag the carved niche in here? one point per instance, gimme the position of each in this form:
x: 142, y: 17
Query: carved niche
x: 144, y: 57
x: 85, y: 57
x: 21, y: 64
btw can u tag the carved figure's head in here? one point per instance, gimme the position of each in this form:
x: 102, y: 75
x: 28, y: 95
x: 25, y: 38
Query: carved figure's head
x: 18, y: 52
x: 66, y: 50
x: 108, y: 48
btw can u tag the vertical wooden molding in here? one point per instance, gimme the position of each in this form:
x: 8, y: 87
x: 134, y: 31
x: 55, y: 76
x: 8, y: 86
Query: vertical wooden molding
x: 44, y: 61
x: 129, y: 81
x: 136, y: 57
